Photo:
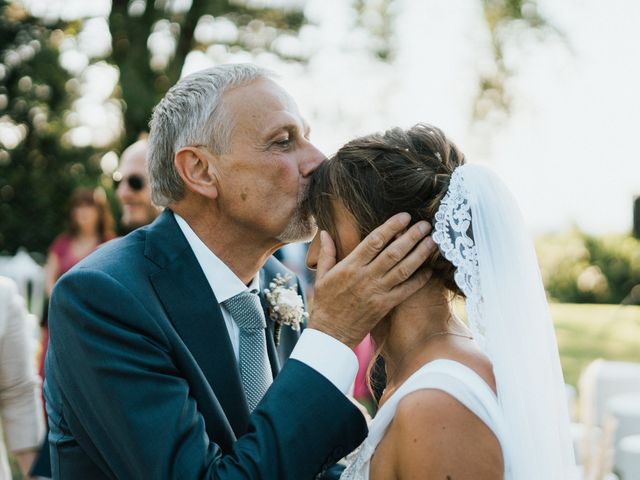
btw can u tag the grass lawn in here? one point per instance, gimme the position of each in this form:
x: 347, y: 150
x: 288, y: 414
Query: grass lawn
x: 586, y: 332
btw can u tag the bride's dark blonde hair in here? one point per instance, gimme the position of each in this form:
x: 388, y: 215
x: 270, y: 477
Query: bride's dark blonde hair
x: 376, y: 176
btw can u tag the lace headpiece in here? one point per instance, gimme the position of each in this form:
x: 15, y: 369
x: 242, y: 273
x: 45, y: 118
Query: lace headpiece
x: 453, y: 233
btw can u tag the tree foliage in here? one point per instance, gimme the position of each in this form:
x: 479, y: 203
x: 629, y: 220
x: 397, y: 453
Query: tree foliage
x: 40, y: 164
x: 505, y: 19
x: 580, y: 268
x: 38, y: 169
x: 145, y: 78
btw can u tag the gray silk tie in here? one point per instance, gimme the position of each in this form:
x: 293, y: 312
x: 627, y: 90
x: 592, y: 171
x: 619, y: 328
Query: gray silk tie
x: 255, y: 370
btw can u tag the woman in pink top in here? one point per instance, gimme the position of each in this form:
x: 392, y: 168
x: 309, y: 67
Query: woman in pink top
x: 90, y: 223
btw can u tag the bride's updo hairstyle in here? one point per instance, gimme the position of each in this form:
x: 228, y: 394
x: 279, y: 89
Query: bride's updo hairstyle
x: 376, y: 176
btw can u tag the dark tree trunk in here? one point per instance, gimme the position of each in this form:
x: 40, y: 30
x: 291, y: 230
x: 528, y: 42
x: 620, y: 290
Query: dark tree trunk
x: 138, y: 82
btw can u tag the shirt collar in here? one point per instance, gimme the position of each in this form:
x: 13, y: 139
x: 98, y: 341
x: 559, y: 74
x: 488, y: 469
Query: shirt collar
x: 224, y: 283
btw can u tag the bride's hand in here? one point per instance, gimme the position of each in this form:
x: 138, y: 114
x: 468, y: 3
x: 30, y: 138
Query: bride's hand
x: 353, y: 295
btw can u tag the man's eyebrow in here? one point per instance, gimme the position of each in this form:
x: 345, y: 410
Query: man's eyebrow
x: 289, y: 127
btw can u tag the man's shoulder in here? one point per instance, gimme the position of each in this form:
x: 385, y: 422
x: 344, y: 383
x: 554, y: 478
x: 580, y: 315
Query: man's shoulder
x: 116, y: 276
x: 116, y: 253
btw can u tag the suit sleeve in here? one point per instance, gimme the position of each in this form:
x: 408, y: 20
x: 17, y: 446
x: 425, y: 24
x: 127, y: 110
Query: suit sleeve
x: 129, y: 407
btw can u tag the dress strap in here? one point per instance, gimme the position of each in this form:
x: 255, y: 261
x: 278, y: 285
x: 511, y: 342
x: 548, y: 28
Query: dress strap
x: 453, y: 378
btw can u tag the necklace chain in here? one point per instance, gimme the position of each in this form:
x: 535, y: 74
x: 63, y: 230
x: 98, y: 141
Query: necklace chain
x: 422, y: 342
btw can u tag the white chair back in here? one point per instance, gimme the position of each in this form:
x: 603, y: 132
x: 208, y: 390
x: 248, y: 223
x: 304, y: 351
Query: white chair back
x: 600, y: 381
x: 29, y: 277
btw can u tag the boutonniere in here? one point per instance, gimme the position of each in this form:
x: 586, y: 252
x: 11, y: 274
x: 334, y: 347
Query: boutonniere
x: 285, y: 304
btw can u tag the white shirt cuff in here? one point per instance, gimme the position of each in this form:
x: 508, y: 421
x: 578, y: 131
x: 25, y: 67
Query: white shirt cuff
x: 328, y: 356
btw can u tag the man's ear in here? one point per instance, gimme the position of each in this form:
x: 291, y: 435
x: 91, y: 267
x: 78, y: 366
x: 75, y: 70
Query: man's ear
x: 193, y: 165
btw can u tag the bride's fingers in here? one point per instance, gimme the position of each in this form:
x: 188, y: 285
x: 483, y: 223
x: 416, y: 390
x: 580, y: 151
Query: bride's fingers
x: 327, y: 255
x: 406, y: 267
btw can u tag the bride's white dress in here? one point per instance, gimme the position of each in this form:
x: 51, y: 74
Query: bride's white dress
x: 449, y: 376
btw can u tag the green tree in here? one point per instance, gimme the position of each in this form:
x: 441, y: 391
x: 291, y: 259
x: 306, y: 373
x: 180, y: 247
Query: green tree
x: 39, y: 166
x: 581, y: 268
x: 38, y: 169
x: 144, y: 80
x: 505, y: 20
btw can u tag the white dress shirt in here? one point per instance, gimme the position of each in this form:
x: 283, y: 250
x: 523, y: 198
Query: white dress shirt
x: 329, y: 357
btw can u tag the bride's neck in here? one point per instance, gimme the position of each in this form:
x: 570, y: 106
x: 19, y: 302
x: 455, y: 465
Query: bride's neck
x: 412, y: 327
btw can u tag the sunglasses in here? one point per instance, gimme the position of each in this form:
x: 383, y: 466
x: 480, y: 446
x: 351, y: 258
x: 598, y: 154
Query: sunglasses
x: 135, y: 182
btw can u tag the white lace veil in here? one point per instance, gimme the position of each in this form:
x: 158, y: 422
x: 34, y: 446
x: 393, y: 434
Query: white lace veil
x: 479, y: 229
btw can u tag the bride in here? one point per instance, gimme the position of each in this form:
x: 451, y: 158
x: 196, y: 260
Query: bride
x: 484, y: 402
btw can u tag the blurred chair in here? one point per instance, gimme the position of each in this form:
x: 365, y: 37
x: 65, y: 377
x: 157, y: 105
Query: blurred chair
x: 625, y: 410
x: 29, y: 277
x: 600, y: 381
x: 628, y: 461
x: 600, y: 384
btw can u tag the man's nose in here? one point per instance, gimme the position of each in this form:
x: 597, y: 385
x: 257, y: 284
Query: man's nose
x: 311, y: 159
x: 123, y: 191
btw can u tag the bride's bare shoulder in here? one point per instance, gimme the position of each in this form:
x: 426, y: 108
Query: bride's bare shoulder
x: 479, y: 363
x: 469, y: 354
x: 438, y: 436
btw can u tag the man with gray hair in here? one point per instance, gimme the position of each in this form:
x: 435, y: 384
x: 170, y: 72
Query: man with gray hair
x: 166, y: 362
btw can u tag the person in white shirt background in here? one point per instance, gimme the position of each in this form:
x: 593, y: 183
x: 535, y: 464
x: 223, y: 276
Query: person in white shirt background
x: 21, y: 413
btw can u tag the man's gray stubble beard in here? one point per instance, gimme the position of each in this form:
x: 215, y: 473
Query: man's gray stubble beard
x: 301, y: 227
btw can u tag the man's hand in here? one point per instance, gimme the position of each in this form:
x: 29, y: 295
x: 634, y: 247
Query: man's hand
x: 352, y: 296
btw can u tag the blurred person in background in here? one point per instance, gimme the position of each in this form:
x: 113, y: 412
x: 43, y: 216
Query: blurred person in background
x: 21, y: 413
x: 90, y: 223
x: 131, y: 183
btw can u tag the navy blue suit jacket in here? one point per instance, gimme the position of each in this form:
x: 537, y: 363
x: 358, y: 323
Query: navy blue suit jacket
x: 142, y: 381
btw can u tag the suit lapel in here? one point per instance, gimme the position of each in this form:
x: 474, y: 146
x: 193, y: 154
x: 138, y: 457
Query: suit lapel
x: 194, y: 311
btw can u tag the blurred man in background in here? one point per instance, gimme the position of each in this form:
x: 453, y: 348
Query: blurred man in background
x: 131, y: 182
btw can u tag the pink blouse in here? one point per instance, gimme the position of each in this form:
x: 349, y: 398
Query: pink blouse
x: 61, y: 248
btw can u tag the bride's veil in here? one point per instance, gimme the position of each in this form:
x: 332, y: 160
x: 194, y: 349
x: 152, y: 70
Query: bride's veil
x: 479, y: 228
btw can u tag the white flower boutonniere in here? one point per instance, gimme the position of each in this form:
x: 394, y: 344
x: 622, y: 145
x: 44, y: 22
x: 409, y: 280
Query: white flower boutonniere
x: 285, y: 305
